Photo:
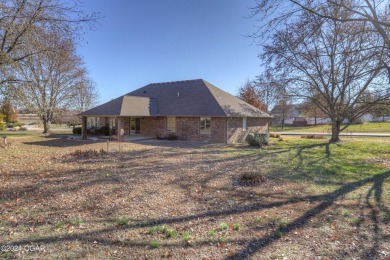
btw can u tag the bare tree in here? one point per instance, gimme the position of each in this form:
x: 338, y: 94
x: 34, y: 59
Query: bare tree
x: 21, y: 26
x: 51, y: 79
x: 373, y: 15
x: 333, y: 60
x: 270, y: 90
x: 309, y: 107
x: 87, y: 95
x: 381, y: 110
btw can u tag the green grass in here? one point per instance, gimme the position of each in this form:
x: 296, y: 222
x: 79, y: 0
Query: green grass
x: 59, y: 225
x: 322, y: 163
x: 236, y: 226
x: 368, y: 127
x: 356, y: 221
x: 171, y: 233
x: 122, y: 221
x: 161, y: 229
x: 385, y: 215
x: 223, y: 226
x: 186, y: 236
x: 154, y: 244
x: 76, y: 221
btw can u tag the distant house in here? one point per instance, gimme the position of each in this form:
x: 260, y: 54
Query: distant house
x: 193, y: 110
x: 287, y: 115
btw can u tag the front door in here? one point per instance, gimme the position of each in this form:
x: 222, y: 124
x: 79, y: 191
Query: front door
x: 135, y: 125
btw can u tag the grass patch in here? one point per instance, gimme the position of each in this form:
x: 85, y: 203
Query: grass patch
x: 385, y: 215
x: 367, y: 127
x: 161, y: 229
x: 345, y: 213
x: 186, y: 237
x: 236, y: 226
x: 356, y: 221
x: 122, y: 221
x: 171, y: 233
x: 223, y: 226
x: 154, y: 244
x: 76, y: 221
x: 59, y: 225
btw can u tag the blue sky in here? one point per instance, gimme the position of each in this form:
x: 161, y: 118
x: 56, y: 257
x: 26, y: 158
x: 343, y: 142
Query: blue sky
x: 141, y: 42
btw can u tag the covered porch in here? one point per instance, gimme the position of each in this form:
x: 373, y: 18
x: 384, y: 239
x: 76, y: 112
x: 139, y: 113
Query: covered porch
x: 120, y: 128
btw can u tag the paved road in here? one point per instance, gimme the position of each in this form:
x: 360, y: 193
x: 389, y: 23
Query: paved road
x: 341, y: 134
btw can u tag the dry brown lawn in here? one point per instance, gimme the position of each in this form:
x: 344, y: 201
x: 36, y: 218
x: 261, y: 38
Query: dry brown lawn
x: 63, y: 201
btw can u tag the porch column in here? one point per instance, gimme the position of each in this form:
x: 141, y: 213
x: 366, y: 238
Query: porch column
x: 84, y: 128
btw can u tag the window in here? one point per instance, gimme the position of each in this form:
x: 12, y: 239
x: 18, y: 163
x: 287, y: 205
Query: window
x: 244, y: 124
x: 91, y: 122
x: 112, y: 122
x: 205, y: 125
x: 171, y: 123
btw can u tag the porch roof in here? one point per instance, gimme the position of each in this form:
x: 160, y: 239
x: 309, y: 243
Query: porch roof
x: 125, y: 106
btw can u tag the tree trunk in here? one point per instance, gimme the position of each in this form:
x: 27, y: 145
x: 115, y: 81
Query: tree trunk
x: 335, y: 131
x: 282, y: 123
x: 46, y: 126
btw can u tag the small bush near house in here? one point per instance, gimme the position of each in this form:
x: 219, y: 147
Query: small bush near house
x: 23, y: 128
x: 14, y: 124
x: 2, y: 127
x: 105, y: 130
x: 77, y: 130
x: 171, y: 136
x: 258, y: 139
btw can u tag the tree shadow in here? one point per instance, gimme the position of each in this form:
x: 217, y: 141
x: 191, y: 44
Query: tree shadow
x: 256, y: 244
x: 219, y: 167
x: 60, y: 141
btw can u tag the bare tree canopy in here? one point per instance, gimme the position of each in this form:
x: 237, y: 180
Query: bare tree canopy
x: 54, y: 81
x: 331, y: 63
x: 373, y: 15
x: 22, y: 23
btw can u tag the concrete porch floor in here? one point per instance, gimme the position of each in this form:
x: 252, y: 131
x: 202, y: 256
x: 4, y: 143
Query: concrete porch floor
x: 130, y: 138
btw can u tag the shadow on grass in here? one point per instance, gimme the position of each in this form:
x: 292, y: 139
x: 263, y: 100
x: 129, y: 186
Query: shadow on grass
x: 58, y: 140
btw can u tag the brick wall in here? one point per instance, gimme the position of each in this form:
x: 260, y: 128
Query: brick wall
x: 187, y: 128
x: 237, y: 135
x: 153, y: 126
x: 218, y: 130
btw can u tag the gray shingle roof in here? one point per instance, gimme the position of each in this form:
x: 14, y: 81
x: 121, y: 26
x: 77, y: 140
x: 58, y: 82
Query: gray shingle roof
x: 179, y: 98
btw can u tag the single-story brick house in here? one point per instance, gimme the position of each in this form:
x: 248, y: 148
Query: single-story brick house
x: 194, y: 110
